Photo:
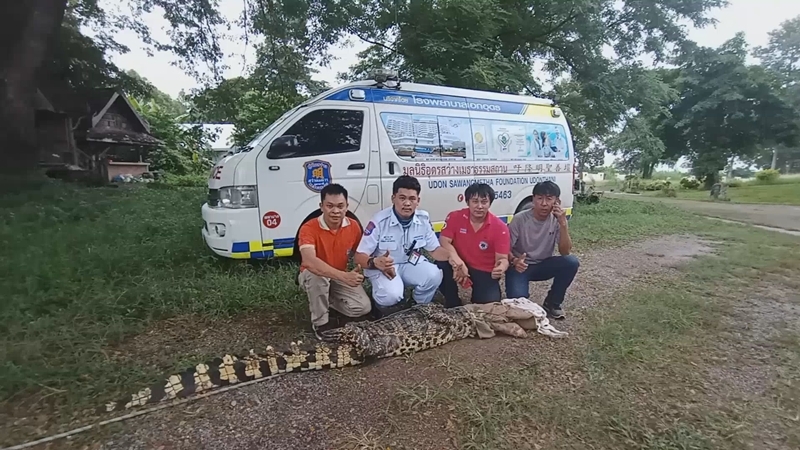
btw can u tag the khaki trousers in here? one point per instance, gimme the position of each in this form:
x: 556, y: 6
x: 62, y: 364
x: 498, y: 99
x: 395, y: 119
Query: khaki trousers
x: 324, y: 293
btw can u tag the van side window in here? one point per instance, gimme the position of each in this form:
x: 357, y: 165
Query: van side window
x: 320, y: 132
x: 429, y: 137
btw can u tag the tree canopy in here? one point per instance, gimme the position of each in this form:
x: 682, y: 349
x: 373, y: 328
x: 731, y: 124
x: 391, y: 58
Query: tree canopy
x: 704, y: 104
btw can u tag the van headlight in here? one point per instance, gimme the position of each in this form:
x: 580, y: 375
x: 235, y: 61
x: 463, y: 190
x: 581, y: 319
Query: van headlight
x: 238, y: 197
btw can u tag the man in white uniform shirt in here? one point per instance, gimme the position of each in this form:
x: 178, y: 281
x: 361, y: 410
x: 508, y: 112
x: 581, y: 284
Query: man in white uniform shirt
x: 390, y: 249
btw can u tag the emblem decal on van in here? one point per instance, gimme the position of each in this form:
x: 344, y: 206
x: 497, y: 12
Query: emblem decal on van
x: 318, y: 174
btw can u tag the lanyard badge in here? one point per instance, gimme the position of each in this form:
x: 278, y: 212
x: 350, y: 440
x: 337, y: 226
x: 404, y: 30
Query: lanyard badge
x: 413, y: 255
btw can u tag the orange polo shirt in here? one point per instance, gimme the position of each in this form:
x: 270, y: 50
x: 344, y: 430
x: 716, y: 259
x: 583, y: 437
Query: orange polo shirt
x: 333, y: 247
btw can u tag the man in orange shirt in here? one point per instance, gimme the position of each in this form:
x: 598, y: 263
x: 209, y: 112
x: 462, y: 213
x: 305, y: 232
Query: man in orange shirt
x: 326, y: 244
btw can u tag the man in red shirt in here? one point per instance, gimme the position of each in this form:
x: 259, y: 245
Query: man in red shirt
x: 478, y: 242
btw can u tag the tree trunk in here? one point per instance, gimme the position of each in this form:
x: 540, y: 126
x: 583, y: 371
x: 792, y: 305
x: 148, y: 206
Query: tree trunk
x: 709, y: 180
x: 729, y: 174
x: 647, y: 170
x: 774, y: 159
x: 27, y: 29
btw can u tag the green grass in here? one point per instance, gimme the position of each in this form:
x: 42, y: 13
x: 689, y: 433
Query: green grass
x: 85, y: 268
x: 783, y: 191
x: 644, y: 365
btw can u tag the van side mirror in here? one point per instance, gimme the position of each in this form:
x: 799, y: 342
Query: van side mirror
x: 284, y: 146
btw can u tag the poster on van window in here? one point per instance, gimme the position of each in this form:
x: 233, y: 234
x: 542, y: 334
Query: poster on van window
x: 509, y: 140
x: 455, y: 135
x: 413, y: 135
x: 435, y: 137
x: 548, y: 141
x: 512, y: 141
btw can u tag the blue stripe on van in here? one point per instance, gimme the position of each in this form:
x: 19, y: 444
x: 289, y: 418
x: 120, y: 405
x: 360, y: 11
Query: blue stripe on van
x: 432, y: 101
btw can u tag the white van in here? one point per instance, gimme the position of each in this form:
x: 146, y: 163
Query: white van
x: 363, y: 135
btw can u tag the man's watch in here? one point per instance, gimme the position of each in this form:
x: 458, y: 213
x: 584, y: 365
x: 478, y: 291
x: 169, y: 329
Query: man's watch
x: 371, y: 262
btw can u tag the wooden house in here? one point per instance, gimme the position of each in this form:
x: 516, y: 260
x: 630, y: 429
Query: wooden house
x: 100, y: 132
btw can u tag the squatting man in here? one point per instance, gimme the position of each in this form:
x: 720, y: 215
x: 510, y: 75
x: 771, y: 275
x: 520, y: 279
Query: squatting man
x: 475, y: 248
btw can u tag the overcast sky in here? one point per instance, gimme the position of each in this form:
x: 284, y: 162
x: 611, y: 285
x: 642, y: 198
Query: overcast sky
x: 755, y: 17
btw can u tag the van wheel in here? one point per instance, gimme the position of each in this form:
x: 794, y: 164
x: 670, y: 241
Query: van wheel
x: 526, y: 204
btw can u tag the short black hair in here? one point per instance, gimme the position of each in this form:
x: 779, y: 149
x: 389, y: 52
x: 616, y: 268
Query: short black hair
x: 332, y: 189
x: 406, y: 182
x: 480, y: 190
x: 547, y: 188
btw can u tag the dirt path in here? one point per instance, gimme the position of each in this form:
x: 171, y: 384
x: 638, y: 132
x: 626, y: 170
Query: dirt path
x: 779, y: 216
x: 349, y: 408
x: 755, y: 370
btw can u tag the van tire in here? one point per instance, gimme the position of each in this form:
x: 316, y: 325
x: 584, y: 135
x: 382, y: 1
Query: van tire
x: 525, y: 204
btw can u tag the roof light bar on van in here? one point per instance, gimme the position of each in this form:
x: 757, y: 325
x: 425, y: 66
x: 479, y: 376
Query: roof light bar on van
x: 381, y: 76
x: 238, y: 197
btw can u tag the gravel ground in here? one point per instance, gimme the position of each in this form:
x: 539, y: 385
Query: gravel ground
x: 350, y: 407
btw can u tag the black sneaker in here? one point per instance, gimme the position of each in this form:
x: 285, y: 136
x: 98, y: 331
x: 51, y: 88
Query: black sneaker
x: 554, y: 313
x: 318, y: 330
x: 379, y: 312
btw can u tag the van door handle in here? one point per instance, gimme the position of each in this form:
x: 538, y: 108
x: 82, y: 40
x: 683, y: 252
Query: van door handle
x: 359, y: 166
x: 391, y: 168
x: 274, y: 167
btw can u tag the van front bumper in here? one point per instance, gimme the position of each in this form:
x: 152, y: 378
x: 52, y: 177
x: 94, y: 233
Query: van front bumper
x: 227, y: 232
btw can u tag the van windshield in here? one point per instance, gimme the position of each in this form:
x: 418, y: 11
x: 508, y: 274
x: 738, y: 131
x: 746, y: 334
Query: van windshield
x: 250, y: 145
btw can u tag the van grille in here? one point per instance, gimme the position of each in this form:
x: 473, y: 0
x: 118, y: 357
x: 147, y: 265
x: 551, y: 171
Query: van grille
x: 213, y: 198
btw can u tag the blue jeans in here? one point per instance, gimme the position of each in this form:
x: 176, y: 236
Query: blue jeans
x: 485, y: 289
x: 561, y: 269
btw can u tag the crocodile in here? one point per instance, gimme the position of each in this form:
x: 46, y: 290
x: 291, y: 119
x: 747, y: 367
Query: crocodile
x: 418, y: 328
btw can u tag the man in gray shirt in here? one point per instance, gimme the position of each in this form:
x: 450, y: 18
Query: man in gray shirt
x: 534, y: 235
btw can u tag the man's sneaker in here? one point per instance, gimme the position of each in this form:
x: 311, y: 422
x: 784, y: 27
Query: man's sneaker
x: 318, y: 330
x: 379, y: 312
x: 555, y: 313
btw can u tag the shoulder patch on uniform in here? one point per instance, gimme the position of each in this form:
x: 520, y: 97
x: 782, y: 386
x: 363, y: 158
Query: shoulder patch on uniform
x: 369, y: 228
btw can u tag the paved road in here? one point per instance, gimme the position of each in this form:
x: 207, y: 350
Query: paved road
x: 778, y: 216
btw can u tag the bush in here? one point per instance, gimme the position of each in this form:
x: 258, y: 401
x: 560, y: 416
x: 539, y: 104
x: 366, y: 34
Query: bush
x: 632, y: 184
x: 689, y: 183
x: 668, y: 191
x: 767, y: 176
x: 735, y: 183
x: 653, y: 185
x: 185, y: 180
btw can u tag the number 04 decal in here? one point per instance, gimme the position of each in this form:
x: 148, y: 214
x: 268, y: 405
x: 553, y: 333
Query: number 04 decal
x: 271, y: 219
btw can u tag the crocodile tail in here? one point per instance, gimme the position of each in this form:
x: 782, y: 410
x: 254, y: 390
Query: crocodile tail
x: 233, y: 369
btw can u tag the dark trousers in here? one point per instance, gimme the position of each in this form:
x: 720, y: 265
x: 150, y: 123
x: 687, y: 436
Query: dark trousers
x: 484, y: 288
x: 561, y: 269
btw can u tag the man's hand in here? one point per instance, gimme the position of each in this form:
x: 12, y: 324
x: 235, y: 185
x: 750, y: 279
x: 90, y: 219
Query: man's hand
x: 559, y: 214
x: 499, y: 269
x: 385, y: 264
x: 354, y: 278
x: 460, y: 271
x: 519, y: 264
